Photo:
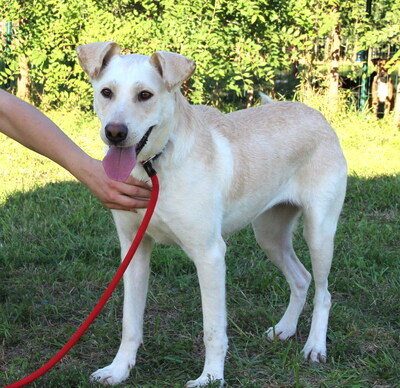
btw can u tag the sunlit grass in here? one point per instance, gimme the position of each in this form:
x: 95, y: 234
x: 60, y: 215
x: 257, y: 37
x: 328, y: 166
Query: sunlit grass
x: 59, y: 250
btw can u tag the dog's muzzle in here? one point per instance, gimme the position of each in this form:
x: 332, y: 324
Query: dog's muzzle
x: 116, y: 133
x: 120, y: 161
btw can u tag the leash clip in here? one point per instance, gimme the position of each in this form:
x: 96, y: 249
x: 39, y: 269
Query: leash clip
x: 149, y: 168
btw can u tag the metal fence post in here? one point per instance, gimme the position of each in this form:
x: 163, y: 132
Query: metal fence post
x: 364, y: 86
x: 8, y: 36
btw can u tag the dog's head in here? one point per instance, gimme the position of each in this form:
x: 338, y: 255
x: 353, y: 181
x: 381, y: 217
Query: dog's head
x: 134, y: 96
x: 382, y: 70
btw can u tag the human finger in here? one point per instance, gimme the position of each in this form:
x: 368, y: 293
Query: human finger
x: 123, y: 202
x: 133, y: 190
x: 137, y: 182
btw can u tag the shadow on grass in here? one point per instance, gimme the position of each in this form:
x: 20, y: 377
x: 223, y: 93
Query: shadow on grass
x: 59, y: 250
x: 55, y: 222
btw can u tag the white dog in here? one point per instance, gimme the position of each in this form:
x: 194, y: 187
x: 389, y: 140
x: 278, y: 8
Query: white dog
x: 218, y: 173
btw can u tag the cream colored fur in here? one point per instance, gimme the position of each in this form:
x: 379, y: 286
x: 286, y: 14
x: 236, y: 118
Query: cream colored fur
x: 218, y: 173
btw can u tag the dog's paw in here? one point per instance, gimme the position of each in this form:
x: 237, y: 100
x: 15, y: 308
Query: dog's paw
x: 281, y: 332
x: 208, y: 381
x: 111, y: 375
x: 314, y: 353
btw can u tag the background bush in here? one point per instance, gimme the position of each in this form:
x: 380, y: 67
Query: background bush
x: 239, y: 46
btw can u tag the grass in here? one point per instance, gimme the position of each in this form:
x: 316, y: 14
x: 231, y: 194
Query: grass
x: 58, y: 251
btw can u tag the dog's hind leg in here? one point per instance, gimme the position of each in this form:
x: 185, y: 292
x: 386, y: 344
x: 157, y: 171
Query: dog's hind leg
x: 320, y: 222
x: 273, y: 230
x: 210, y: 265
x: 135, y: 291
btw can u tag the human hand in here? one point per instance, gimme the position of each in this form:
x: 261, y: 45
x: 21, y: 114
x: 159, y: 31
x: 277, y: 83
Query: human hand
x: 129, y: 195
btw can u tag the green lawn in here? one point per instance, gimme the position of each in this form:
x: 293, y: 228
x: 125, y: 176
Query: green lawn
x: 58, y: 251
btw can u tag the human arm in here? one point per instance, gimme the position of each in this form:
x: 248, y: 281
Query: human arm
x: 28, y: 126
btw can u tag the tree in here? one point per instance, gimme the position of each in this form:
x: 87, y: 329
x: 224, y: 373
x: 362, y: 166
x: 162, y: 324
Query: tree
x: 333, y: 76
x: 239, y: 47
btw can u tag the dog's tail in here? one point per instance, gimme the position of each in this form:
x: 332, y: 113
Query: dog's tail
x: 265, y: 99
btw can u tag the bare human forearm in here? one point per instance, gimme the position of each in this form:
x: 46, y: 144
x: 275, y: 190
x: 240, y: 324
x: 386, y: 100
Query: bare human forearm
x: 28, y: 126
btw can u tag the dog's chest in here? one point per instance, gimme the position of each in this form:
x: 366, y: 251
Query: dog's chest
x: 163, y: 232
x: 382, y: 91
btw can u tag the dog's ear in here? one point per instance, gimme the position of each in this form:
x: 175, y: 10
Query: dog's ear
x: 174, y: 68
x: 93, y: 57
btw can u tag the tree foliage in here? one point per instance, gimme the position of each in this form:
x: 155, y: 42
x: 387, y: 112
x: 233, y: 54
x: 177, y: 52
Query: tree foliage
x: 238, y: 45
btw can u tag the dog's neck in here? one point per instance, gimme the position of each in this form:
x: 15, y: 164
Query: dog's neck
x: 182, y: 136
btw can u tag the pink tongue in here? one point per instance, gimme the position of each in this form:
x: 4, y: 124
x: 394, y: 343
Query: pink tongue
x: 119, y: 162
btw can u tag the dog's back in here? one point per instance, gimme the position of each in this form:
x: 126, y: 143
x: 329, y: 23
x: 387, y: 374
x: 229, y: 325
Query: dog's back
x: 274, y: 142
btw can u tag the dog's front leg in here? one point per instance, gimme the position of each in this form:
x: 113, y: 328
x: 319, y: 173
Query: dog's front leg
x: 135, y: 292
x: 210, y: 265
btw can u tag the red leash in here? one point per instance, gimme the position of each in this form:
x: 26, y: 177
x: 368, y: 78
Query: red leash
x: 103, y: 300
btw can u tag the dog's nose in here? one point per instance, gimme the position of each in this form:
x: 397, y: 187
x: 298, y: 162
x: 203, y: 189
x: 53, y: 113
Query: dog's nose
x: 116, y: 132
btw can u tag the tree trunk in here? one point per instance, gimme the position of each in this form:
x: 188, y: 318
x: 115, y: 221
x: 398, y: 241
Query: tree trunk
x: 333, y: 77
x: 396, y: 110
x: 23, y: 90
x: 327, y: 48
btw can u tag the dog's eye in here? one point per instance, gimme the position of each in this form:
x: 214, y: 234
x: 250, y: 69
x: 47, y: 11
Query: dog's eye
x: 106, y: 93
x: 145, y: 95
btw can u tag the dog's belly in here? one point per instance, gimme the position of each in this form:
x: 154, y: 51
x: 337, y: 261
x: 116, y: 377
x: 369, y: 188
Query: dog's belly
x: 236, y: 221
x: 179, y: 230
x: 243, y: 213
x: 244, y: 210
